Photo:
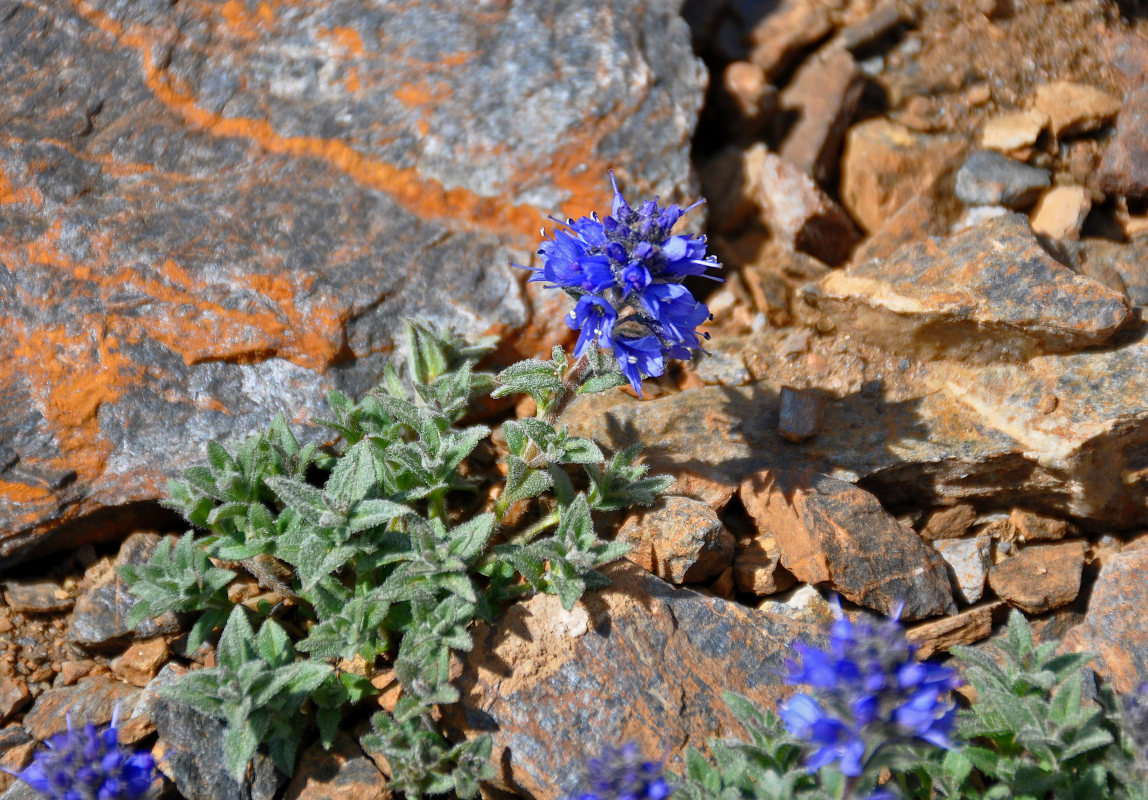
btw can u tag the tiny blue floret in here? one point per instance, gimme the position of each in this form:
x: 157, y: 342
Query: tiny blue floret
x: 89, y: 764
x: 867, y: 690
x: 626, y: 273
x: 621, y: 773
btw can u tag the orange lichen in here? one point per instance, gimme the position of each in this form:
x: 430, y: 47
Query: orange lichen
x: 243, y: 24
x: 351, y: 81
x: 423, y: 197
x: 346, y: 38
x: 23, y: 492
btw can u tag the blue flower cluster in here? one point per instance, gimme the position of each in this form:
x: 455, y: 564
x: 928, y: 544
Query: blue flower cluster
x: 89, y: 764
x: 868, y: 691
x: 626, y: 273
x: 621, y: 773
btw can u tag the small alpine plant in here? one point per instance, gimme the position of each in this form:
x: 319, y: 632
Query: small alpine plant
x: 870, y: 698
x: 625, y: 274
x: 90, y: 764
x: 623, y: 773
x: 379, y: 551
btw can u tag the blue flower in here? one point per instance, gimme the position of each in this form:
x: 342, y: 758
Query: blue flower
x: 621, y: 773
x: 867, y: 691
x: 633, y: 263
x: 89, y: 764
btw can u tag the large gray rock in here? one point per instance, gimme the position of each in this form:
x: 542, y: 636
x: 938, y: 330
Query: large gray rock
x: 637, y: 660
x: 211, y: 213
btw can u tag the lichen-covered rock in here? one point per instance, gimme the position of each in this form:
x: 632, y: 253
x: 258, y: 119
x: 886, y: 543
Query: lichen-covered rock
x: 679, y: 539
x: 638, y: 660
x: 1115, y: 627
x: 214, y: 212
x: 834, y: 534
x: 987, y: 293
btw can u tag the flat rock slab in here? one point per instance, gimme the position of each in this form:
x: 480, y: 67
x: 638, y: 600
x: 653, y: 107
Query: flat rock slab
x: 91, y: 700
x: 834, y: 534
x: 987, y: 293
x: 1115, y: 627
x: 638, y: 660
x: 342, y: 773
x: 1041, y: 577
x: 214, y: 212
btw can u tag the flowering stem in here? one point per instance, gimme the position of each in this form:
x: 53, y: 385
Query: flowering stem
x: 575, y: 377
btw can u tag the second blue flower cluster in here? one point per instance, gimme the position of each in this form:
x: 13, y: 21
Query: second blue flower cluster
x: 867, y: 691
x: 626, y: 273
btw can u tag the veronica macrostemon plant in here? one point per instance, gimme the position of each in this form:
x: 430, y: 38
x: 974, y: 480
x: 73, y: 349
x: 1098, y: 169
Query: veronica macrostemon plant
x: 625, y: 273
x: 90, y: 764
x: 871, y: 704
x: 623, y: 773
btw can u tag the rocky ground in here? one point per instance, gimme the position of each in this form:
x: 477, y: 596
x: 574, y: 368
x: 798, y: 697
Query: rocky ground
x: 928, y: 376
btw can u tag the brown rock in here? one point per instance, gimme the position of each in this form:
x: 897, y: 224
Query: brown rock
x: 823, y: 96
x: 885, y: 165
x: 1074, y: 108
x: 91, y: 700
x: 786, y: 32
x: 770, y: 293
x: 1032, y: 527
x: 969, y: 626
x: 917, y: 220
x: 727, y: 190
x: 36, y: 597
x: 987, y: 293
x: 830, y: 532
x: 882, y: 21
x: 1041, y: 577
x: 949, y: 523
x: 14, y: 695
x: 71, y: 672
x: 1125, y: 265
x: 1009, y: 132
x: 654, y: 658
x: 749, y: 102
x: 797, y: 212
x: 1124, y: 169
x: 679, y: 539
x: 1115, y: 627
x: 757, y: 566
x: 16, y: 749
x: 801, y: 413
x: 141, y: 661
x: 341, y: 773
x: 220, y: 216
x: 1128, y: 53
x: 1060, y: 212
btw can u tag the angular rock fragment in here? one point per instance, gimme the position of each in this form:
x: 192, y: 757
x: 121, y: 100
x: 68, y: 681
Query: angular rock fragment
x: 987, y: 293
x: 831, y: 533
x: 1060, y: 212
x: 679, y: 539
x: 970, y: 626
x: 988, y: 178
x: 1041, y: 577
x: 36, y: 597
x: 1115, y: 627
x: 99, y: 618
x: 1124, y: 170
x: 216, y: 216
x: 789, y: 29
x: 797, y: 212
x: 885, y: 165
x: 969, y: 561
x: 341, y: 773
x: 1074, y: 108
x: 14, y: 695
x: 823, y: 96
x: 1014, y: 130
x: 881, y: 22
x: 1032, y: 527
x: 1122, y: 264
x: 638, y: 660
x: 948, y: 523
x: 801, y: 413
x: 92, y: 700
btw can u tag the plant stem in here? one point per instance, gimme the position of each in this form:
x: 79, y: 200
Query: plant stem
x: 538, y: 527
x: 575, y: 376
